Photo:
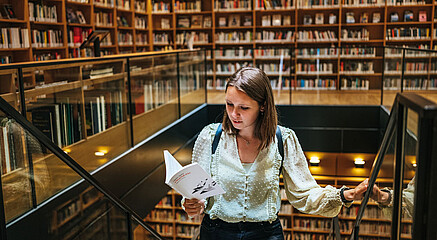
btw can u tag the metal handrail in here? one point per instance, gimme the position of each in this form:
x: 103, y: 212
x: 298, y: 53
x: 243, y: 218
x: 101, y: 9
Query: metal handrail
x: 13, y: 113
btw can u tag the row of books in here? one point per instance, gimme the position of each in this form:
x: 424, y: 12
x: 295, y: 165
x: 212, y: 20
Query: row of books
x: 140, y: 22
x: 186, y: 231
x: 194, y: 21
x: 275, y: 36
x: 272, y: 53
x: 195, y: 37
x: 382, y: 229
x: 14, y: 38
x: 188, y: 6
x: 140, y: 6
x: 410, y: 84
x: 47, y: 38
x: 233, y: 37
x: 141, y: 38
x: 275, y: 20
x: 238, y: 53
x: 315, y: 84
x: 153, y: 94
x: 76, y: 35
x: 163, y: 229
x: 12, y: 146
x: 225, y: 68
x: 316, y: 36
x: 312, y: 224
x: 355, y: 35
x: 273, y: 4
x: 59, y: 119
x: 232, y: 5
x: 160, y: 7
x: 325, y: 68
x: 103, y: 19
x: 46, y: 56
x: 104, y: 3
x: 396, y: 66
x: 407, y: 33
x: 160, y: 215
x: 274, y: 68
x: 364, y: 3
x: 42, y: 13
x: 354, y: 84
x: 162, y: 38
x: 317, y: 3
x: 125, y: 38
x: 356, y: 67
x: 122, y: 4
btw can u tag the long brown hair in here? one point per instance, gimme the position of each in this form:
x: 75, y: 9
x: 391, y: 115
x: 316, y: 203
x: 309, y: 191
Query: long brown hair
x: 255, y: 83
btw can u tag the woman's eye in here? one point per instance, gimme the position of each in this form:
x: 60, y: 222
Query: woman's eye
x: 230, y: 104
x: 244, y: 108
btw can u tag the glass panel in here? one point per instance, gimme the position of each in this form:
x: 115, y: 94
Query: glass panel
x: 105, y: 107
x: 192, y: 80
x: 8, y: 87
x: 410, y: 150
x: 392, y: 75
x: 140, y: 233
x: 154, y: 94
x: 16, y: 185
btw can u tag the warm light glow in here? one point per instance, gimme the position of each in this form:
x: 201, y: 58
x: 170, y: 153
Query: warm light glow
x: 414, y: 164
x: 99, y: 154
x: 359, y: 162
x: 314, y: 161
x: 67, y: 150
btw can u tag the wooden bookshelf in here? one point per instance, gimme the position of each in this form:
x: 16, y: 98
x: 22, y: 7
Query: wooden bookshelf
x: 335, y: 169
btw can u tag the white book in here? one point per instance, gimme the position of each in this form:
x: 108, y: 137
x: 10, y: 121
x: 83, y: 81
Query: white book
x: 190, y: 181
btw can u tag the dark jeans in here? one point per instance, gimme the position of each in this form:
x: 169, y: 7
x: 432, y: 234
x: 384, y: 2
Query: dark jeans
x: 220, y: 230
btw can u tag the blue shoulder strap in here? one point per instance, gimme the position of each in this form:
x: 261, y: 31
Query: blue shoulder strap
x: 216, y: 140
x: 218, y: 133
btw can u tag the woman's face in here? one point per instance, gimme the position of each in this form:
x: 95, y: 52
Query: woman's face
x: 242, y: 110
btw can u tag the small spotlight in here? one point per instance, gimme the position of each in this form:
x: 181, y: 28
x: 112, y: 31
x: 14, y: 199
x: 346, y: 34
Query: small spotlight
x: 359, y: 162
x: 414, y: 164
x: 314, y: 161
x: 99, y: 154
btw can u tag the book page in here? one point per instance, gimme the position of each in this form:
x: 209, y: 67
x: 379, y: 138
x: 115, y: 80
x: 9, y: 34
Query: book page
x: 190, y: 181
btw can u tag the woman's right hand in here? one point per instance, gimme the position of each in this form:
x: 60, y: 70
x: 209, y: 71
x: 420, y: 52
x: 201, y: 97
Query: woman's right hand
x: 194, y: 207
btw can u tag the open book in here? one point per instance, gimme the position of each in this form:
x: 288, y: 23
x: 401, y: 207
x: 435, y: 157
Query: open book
x: 190, y: 181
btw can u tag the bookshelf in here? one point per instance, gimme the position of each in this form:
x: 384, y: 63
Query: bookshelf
x: 335, y: 169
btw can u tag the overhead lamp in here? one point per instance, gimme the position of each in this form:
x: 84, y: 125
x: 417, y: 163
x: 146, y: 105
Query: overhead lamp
x: 100, y: 153
x: 414, y: 164
x: 314, y: 161
x: 359, y: 162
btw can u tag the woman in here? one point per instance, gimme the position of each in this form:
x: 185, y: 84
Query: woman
x: 247, y: 166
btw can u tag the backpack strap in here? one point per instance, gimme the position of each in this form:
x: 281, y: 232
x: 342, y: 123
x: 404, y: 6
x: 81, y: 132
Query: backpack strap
x: 218, y: 133
x: 216, y: 140
x: 280, y: 146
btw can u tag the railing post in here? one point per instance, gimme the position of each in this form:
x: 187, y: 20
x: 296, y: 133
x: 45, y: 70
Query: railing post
x: 382, y: 75
x: 129, y: 226
x: 129, y: 102
x: 398, y: 172
x: 403, y: 69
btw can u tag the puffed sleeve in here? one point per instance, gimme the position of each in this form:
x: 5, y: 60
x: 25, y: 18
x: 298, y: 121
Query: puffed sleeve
x: 301, y: 188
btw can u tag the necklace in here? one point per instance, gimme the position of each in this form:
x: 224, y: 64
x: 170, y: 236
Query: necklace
x: 247, y: 141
